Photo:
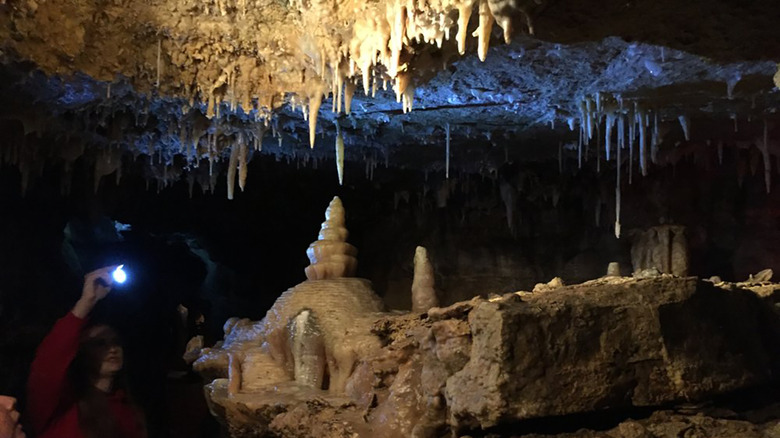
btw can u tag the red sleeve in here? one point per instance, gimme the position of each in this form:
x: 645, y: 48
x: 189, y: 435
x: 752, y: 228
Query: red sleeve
x: 48, y: 385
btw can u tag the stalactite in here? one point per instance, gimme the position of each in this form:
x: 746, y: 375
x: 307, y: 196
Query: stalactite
x: 447, y: 156
x: 608, y: 136
x: 159, y: 62
x: 339, y: 155
x: 767, y: 162
x: 598, y: 148
x: 579, y: 151
x: 484, y: 30
x: 560, y: 157
x: 349, y: 91
x: 507, y: 193
x: 243, y: 158
x: 654, y: 140
x: 640, y: 116
x: 589, y: 117
x: 685, y: 123
x: 231, y: 171
x: 314, y: 108
x: 631, y: 141
x: 464, y: 13
x: 617, y: 184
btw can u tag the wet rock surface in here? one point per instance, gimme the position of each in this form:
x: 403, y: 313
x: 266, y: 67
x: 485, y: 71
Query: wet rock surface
x: 616, y: 346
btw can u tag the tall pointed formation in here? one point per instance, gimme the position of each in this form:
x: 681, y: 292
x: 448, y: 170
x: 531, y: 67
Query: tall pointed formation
x: 423, y: 292
x: 331, y: 256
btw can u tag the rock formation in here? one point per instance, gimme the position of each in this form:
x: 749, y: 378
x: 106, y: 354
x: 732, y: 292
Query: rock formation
x: 612, y: 343
x: 331, y: 256
x: 423, y: 291
x: 315, y: 332
x: 663, y: 247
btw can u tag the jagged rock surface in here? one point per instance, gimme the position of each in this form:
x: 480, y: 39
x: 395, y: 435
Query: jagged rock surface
x: 608, y: 344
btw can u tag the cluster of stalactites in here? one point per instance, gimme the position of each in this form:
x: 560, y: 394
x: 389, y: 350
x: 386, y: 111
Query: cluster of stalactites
x: 330, y: 255
x: 626, y: 125
x: 379, y: 34
x: 379, y: 37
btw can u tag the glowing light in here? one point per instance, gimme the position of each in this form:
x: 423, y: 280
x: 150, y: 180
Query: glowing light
x: 119, y: 275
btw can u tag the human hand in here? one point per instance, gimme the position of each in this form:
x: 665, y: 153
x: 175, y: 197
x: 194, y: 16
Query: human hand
x: 9, y: 419
x: 97, y: 284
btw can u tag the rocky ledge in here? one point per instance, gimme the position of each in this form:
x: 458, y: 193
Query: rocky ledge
x: 617, y: 347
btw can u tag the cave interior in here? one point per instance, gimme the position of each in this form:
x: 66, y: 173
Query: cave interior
x: 518, y: 141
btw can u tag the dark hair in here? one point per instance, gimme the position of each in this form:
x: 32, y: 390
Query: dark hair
x: 95, y: 417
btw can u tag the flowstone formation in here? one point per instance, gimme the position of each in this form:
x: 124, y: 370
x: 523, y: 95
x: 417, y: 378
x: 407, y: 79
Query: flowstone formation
x: 311, y: 339
x: 327, y: 361
x: 664, y: 248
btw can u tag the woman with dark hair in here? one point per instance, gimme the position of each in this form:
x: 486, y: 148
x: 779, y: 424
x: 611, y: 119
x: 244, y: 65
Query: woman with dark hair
x: 76, y: 388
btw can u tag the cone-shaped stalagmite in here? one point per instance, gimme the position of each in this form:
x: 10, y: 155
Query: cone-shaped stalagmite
x: 331, y: 256
x: 423, y: 292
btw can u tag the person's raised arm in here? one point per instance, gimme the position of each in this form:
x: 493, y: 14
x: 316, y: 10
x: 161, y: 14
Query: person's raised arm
x: 47, y: 384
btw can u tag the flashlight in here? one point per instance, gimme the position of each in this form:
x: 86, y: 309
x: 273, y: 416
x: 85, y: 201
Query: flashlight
x: 119, y: 275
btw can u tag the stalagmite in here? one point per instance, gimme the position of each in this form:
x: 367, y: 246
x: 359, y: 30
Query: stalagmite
x: 484, y: 30
x: 423, y: 284
x: 613, y: 269
x: 331, y: 256
x: 340, y: 155
x: 767, y: 162
x: 447, y: 152
x: 231, y: 171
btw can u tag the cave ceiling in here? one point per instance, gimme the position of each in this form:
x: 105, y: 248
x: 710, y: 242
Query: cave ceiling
x: 186, y: 82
